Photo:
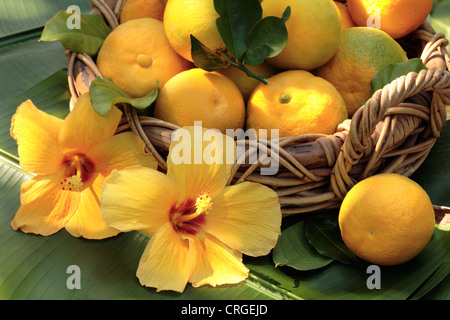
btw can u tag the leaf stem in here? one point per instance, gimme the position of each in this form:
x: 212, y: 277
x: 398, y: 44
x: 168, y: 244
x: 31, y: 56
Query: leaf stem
x: 244, y: 69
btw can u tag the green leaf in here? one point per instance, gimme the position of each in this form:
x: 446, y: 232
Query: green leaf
x: 440, y: 17
x: 293, y: 250
x: 434, y: 174
x: 236, y: 18
x: 87, y: 39
x: 339, y: 281
x: 26, y: 63
x: 18, y: 17
x: 104, y: 93
x: 51, y: 95
x: 35, y: 267
x: 206, y: 58
x: 393, y: 71
x: 437, y: 277
x: 267, y: 38
x: 322, y: 231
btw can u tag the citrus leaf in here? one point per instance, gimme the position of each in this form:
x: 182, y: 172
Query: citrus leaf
x: 236, y: 18
x: 266, y: 39
x: 206, y: 58
x: 393, y: 71
x: 293, y: 250
x: 104, y: 93
x: 322, y: 231
x: 86, y: 39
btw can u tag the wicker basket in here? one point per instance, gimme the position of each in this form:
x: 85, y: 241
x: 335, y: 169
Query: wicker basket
x: 392, y: 133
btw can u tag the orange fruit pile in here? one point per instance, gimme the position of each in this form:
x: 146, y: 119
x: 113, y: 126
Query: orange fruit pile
x: 320, y: 79
x: 329, y: 60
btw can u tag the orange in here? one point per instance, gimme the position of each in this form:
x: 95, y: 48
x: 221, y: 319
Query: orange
x: 362, y: 53
x: 245, y: 83
x: 314, y: 30
x: 185, y: 17
x: 135, y: 9
x: 137, y: 54
x: 346, y: 18
x: 295, y: 102
x: 397, y: 17
x: 386, y: 219
x: 198, y: 95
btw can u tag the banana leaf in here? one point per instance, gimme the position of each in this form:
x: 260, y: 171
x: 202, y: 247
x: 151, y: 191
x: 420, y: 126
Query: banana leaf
x: 35, y: 267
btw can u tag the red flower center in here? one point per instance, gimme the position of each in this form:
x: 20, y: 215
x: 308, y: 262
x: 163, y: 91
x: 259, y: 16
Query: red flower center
x: 188, y: 216
x: 79, y: 171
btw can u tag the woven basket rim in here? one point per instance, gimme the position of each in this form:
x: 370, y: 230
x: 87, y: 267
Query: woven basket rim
x: 400, y: 122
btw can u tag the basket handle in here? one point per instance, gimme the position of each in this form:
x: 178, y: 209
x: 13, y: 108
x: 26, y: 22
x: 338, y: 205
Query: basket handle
x: 365, y: 120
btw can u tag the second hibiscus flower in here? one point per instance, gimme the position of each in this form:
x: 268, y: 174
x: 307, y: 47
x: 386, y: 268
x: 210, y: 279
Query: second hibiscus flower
x: 199, y: 227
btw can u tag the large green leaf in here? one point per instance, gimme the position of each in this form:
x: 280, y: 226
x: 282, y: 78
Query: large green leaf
x: 50, y: 95
x: 18, y: 16
x: 26, y: 63
x: 34, y: 267
x: 440, y: 17
x: 342, y: 281
x: 434, y: 174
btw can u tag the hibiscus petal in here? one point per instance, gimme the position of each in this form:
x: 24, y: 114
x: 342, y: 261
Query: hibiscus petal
x: 87, y: 221
x: 37, y: 133
x: 45, y: 208
x: 200, y: 159
x: 84, y: 128
x: 246, y: 217
x: 163, y: 264
x: 137, y: 198
x: 212, y: 262
x: 121, y: 151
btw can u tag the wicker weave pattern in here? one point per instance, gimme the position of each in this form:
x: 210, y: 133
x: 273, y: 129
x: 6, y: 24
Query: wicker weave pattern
x: 392, y: 133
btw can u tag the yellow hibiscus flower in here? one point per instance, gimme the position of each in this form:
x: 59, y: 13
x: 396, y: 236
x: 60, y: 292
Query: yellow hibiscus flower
x: 70, y: 159
x: 199, y: 227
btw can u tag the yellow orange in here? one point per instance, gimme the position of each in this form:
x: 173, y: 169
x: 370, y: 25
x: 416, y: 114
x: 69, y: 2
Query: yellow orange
x: 362, y: 53
x: 314, y: 32
x: 135, y: 9
x: 396, y: 17
x: 137, y: 54
x: 295, y: 102
x: 198, y: 95
x: 386, y: 219
x: 185, y: 17
x: 346, y: 18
